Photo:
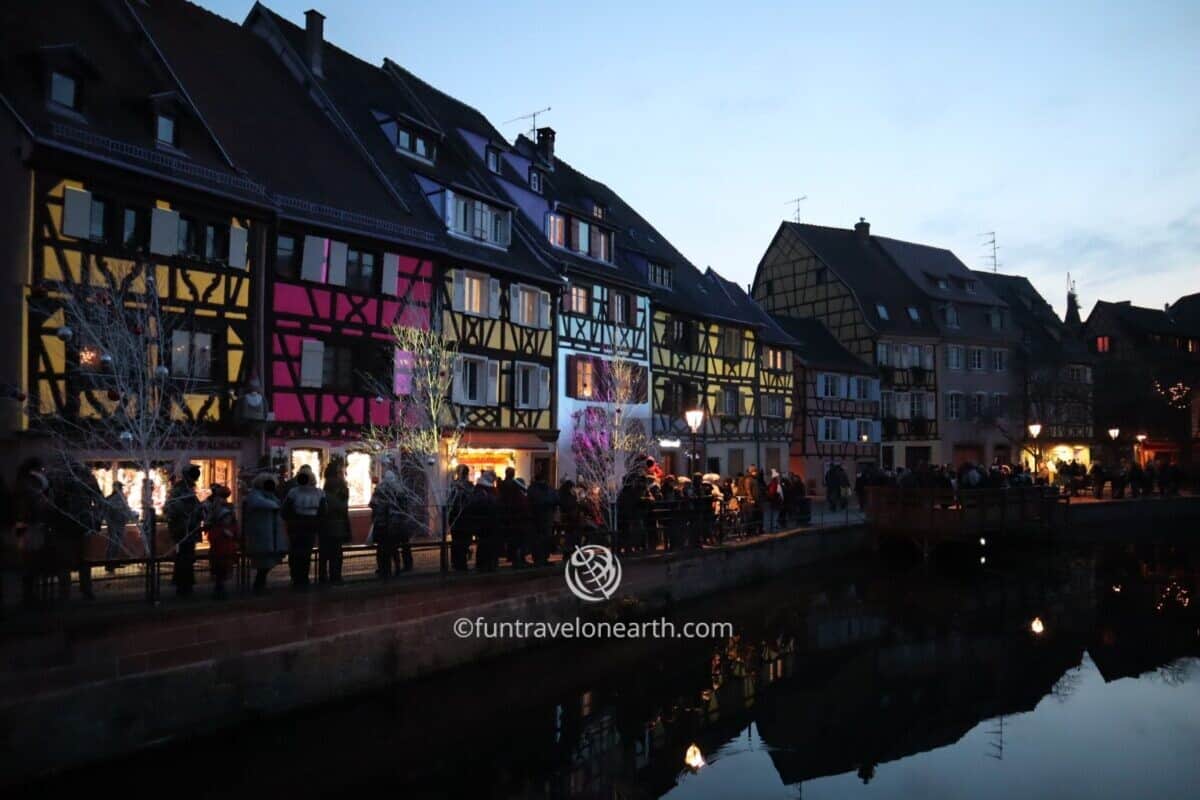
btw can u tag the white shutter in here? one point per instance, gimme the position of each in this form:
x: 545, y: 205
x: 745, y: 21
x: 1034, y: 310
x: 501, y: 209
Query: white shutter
x: 875, y: 394
x: 1087, y: 374
x: 164, y: 232
x: 494, y: 298
x: 238, y: 237
x: 903, y: 406
x: 945, y: 405
x: 337, y: 263
x: 459, y: 295
x: 881, y: 354
x: 448, y: 210
x: 930, y: 405
x: 543, y: 387
x: 493, y: 382
x: 391, y: 273
x: 514, y: 304
x: 852, y: 387
x: 544, y: 310
x: 821, y: 429
x: 312, y: 363
x: 927, y: 357
x: 77, y: 213
x: 313, y: 262
x: 456, y: 388
x: 876, y: 431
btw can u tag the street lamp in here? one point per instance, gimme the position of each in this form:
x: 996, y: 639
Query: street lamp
x: 695, y: 418
x: 1035, y: 428
x: 1141, y: 449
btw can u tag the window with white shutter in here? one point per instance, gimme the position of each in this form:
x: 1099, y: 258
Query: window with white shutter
x: 238, y: 239
x: 164, y: 232
x: 391, y: 273
x: 312, y: 265
x: 494, y: 298
x: 543, y: 387
x: 493, y: 382
x: 312, y: 363
x: 77, y: 213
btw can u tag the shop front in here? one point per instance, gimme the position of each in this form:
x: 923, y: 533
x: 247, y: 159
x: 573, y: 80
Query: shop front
x: 527, y: 453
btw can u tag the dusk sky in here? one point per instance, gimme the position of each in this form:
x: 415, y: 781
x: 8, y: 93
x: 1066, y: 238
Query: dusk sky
x: 1072, y: 131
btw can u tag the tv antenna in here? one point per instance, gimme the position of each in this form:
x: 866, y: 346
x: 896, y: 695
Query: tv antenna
x: 531, y: 116
x: 990, y: 242
x: 796, y: 201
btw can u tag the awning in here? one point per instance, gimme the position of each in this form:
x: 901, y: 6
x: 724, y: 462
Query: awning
x: 510, y: 440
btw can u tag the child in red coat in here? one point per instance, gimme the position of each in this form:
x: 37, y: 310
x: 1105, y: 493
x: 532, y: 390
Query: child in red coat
x: 221, y: 527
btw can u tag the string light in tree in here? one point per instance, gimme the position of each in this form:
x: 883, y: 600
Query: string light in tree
x: 1177, y: 394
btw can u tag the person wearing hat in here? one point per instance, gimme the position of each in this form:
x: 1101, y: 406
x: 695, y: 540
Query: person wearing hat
x: 303, y: 510
x: 183, y: 523
x: 388, y: 523
x: 221, y: 527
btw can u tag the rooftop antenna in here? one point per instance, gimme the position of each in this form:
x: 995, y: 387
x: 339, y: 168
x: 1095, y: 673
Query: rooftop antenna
x: 797, y: 201
x: 532, y: 117
x: 990, y: 242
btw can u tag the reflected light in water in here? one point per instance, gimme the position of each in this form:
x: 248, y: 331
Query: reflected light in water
x: 693, y: 758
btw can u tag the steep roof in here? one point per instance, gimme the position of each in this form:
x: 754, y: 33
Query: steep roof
x: 121, y: 79
x: 817, y: 347
x: 1147, y: 320
x: 1186, y: 313
x: 740, y: 308
x: 872, y: 275
x: 1044, y: 335
x: 360, y: 90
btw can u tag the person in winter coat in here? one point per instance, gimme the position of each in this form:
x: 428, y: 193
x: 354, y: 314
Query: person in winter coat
x: 32, y: 509
x: 457, y: 519
x: 183, y: 523
x: 221, y: 528
x: 76, y: 503
x: 117, y: 514
x: 304, y: 511
x: 776, y: 499
x: 511, y: 523
x: 542, y: 502
x: 483, y: 512
x: 389, y: 523
x: 335, y: 527
x: 265, y: 540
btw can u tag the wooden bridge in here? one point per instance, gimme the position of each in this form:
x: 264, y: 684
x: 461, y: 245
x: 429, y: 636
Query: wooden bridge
x: 931, y: 516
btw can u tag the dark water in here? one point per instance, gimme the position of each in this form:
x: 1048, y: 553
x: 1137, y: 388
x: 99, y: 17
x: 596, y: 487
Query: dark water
x: 874, y: 678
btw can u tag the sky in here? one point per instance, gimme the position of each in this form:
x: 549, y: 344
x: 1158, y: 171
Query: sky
x: 1070, y: 130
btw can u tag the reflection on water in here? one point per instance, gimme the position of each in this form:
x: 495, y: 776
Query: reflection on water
x: 1067, y: 676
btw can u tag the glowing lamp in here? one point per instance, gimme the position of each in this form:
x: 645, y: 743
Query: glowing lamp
x: 1141, y: 437
x: 693, y: 757
x: 1035, y: 429
x: 1037, y: 626
x: 1113, y: 433
x: 695, y: 418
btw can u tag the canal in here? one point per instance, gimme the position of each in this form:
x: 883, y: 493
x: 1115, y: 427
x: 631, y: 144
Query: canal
x: 1071, y: 674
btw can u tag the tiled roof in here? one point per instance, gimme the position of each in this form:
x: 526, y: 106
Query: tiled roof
x: 817, y: 347
x: 1044, y: 334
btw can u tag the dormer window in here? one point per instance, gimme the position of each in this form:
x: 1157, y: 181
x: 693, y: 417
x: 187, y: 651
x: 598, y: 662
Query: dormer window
x: 951, y: 316
x: 535, y: 180
x: 597, y: 211
x: 477, y: 219
x: 64, y: 91
x: 882, y: 311
x: 580, y: 235
x: 164, y: 129
x: 972, y: 286
x: 493, y: 160
x: 600, y: 246
x: 405, y: 138
x: 661, y: 275
x: 556, y: 229
x: 942, y: 284
x: 913, y: 314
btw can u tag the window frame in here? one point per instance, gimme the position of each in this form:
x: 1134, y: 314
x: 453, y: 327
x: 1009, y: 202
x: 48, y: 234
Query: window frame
x: 573, y: 292
x: 192, y: 345
x: 74, y: 86
x: 660, y: 275
x: 159, y: 119
x: 882, y: 312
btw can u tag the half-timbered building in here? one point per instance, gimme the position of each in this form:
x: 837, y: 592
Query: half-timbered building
x: 835, y: 417
x: 492, y: 292
x: 116, y: 192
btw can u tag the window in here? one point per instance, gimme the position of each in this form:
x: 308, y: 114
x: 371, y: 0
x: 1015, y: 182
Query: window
x: 97, y: 231
x: 730, y: 403
x: 951, y: 314
x: 978, y: 404
x: 191, y: 354
x: 882, y: 311
x: 913, y: 314
x: 478, y: 220
x: 473, y: 380
x: 678, y: 397
x: 679, y: 335
x: 402, y: 138
x: 337, y: 369
x: 731, y: 343
x: 535, y: 180
x: 63, y: 91
x: 660, y: 275
x: 527, y: 392
x: 186, y: 237
x: 475, y: 294
x: 600, y: 245
x: 216, y: 245
x: 887, y: 404
x: 580, y: 235
x: 975, y: 359
x: 577, y: 300
x: 831, y: 429
x: 135, y: 229
x: 360, y: 270
x: 883, y: 354
x: 863, y: 430
x: 773, y: 358
x: 862, y: 388
x: 999, y: 360
x: 773, y: 405
x: 164, y: 129
x: 972, y: 287
x: 831, y: 385
x: 1075, y: 373
x: 942, y: 283
x: 493, y: 160
x: 358, y: 478
x: 620, y: 306
x: 556, y: 229
x: 585, y: 379
x: 996, y: 318
x: 530, y: 307
x: 1103, y: 344
x: 954, y: 356
x: 999, y: 404
x: 916, y: 405
x: 285, y: 256
x: 598, y: 211
x: 954, y: 405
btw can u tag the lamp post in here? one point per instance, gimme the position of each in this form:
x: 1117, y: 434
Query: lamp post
x: 1141, y: 449
x: 1035, y: 429
x: 695, y: 418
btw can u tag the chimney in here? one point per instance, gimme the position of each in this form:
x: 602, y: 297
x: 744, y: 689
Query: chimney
x: 314, y: 40
x: 545, y: 145
x: 862, y: 227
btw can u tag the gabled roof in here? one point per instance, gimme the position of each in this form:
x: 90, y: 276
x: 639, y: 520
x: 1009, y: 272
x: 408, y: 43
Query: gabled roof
x: 274, y: 130
x: 817, y: 347
x: 925, y: 264
x: 869, y: 272
x: 737, y: 306
x: 1138, y: 318
x: 120, y: 75
x: 359, y: 89
x: 1186, y: 313
x: 1045, y: 336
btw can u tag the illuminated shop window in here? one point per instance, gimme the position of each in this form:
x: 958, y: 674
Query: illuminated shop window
x: 358, y: 477
x: 311, y: 457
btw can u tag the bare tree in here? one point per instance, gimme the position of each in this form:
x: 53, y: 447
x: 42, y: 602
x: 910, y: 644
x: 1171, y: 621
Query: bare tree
x: 421, y: 436
x: 136, y: 382
x: 608, y: 437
